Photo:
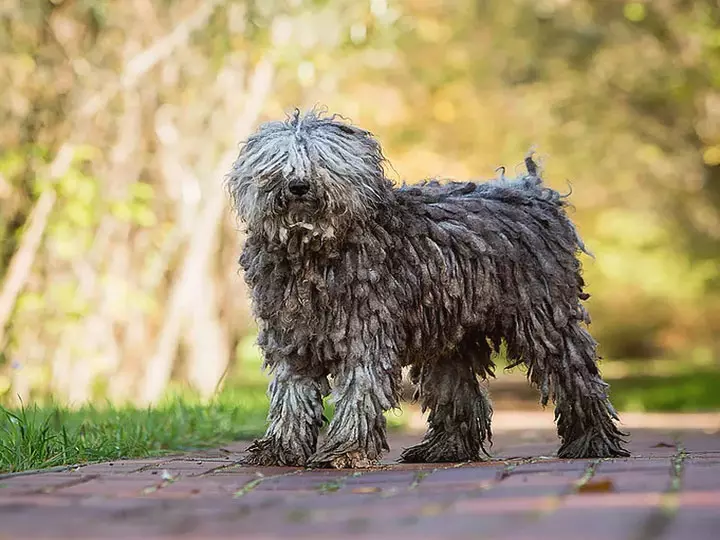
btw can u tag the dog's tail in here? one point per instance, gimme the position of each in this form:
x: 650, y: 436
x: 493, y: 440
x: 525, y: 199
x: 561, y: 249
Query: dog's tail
x: 533, y: 182
x: 533, y: 177
x: 530, y: 165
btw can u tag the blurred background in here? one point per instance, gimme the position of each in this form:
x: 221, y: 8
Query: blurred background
x: 118, y: 120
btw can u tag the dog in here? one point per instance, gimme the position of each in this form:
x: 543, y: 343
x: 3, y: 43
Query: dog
x: 354, y: 278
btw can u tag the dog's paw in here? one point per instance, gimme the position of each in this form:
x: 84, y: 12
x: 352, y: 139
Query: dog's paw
x: 443, y: 450
x: 418, y: 453
x: 267, y: 452
x: 353, y: 459
x: 593, y: 445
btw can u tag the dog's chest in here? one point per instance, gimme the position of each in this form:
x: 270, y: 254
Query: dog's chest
x: 306, y: 295
x: 295, y: 292
x: 323, y: 295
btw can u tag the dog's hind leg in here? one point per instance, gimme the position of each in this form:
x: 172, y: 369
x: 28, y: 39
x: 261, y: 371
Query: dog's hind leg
x: 460, y: 408
x: 562, y: 363
x: 294, y: 419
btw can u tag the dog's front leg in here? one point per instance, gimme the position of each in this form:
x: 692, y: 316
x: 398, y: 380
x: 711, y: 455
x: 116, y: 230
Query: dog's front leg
x: 294, y: 419
x: 356, y: 438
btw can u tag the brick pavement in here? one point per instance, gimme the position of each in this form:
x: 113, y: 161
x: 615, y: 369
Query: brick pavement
x: 669, y: 489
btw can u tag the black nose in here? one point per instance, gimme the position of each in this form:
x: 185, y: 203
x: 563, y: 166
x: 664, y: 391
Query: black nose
x: 298, y: 187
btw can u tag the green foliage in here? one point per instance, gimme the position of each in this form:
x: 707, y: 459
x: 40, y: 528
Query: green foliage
x: 682, y: 392
x: 71, y: 232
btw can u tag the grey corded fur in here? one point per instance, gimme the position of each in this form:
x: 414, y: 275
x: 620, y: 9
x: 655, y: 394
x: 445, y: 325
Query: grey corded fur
x: 352, y: 278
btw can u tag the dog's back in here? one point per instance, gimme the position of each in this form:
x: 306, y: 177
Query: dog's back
x: 527, y: 188
x: 521, y: 208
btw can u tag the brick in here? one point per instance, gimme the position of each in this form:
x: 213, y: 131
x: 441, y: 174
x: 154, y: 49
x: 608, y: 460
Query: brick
x: 709, y: 499
x: 695, y: 523
x: 699, y: 477
x: 41, y: 483
x: 120, y: 467
x: 206, y: 495
x: 570, y: 524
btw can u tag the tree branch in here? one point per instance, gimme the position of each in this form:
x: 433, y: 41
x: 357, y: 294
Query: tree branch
x: 143, y: 62
x: 23, y: 260
x: 201, y: 244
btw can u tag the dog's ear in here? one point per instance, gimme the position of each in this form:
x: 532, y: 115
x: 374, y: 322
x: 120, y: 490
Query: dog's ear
x: 243, y: 193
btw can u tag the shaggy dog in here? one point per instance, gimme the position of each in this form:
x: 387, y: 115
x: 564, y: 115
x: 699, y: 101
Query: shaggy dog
x: 352, y: 278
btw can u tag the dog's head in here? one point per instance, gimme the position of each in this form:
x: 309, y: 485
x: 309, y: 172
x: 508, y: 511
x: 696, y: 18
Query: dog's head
x: 310, y: 174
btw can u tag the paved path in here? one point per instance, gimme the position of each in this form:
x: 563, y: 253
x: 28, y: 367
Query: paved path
x: 669, y: 489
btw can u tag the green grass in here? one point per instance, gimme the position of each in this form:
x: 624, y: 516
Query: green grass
x: 37, y: 437
x: 46, y: 436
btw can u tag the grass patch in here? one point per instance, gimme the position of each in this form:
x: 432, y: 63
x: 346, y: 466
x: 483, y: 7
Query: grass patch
x: 38, y: 437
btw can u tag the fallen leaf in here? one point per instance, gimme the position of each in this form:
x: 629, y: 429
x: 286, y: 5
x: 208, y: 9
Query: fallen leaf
x: 367, y: 489
x: 433, y: 509
x: 601, y: 485
x: 549, y: 504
